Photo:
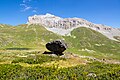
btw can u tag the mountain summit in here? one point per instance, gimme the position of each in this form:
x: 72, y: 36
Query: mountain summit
x: 64, y: 26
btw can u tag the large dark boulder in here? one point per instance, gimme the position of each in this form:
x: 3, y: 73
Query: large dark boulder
x: 56, y: 47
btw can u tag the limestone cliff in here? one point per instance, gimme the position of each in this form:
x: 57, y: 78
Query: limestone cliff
x: 64, y: 26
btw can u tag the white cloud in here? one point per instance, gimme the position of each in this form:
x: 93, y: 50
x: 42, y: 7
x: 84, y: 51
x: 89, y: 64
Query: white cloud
x: 25, y: 1
x: 35, y: 11
x: 27, y: 5
x: 22, y: 4
x: 27, y: 8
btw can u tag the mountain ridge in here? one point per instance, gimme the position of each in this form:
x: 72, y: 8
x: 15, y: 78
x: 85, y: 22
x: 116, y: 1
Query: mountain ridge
x: 64, y: 26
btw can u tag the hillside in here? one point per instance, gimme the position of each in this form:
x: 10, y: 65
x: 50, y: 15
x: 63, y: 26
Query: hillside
x: 90, y: 54
x: 82, y: 40
x: 25, y: 36
x: 92, y: 43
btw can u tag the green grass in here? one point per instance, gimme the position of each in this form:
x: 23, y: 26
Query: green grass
x: 89, y: 41
x: 37, y: 59
x: 22, y: 36
x: 21, y: 57
x: 98, y: 70
x: 82, y: 40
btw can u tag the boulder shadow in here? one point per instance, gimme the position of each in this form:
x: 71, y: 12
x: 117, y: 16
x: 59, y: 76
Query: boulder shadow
x: 56, y: 53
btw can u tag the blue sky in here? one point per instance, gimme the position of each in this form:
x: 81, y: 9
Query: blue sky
x: 106, y: 12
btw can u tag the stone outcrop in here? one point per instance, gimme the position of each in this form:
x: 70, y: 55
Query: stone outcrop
x: 64, y: 26
x: 52, y: 21
x: 56, y: 47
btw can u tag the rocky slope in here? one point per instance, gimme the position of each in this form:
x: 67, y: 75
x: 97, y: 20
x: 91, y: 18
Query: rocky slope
x: 64, y: 26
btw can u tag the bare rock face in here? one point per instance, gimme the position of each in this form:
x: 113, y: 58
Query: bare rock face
x: 56, y: 47
x: 64, y: 26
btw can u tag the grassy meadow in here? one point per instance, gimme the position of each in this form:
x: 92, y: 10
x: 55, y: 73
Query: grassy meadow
x: 90, y: 55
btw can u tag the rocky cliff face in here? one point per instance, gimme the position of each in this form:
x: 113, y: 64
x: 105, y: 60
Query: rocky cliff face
x: 64, y: 26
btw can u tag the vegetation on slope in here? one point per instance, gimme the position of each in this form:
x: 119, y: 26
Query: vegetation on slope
x: 25, y: 36
x: 21, y: 57
x: 89, y: 41
x: 83, y: 40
